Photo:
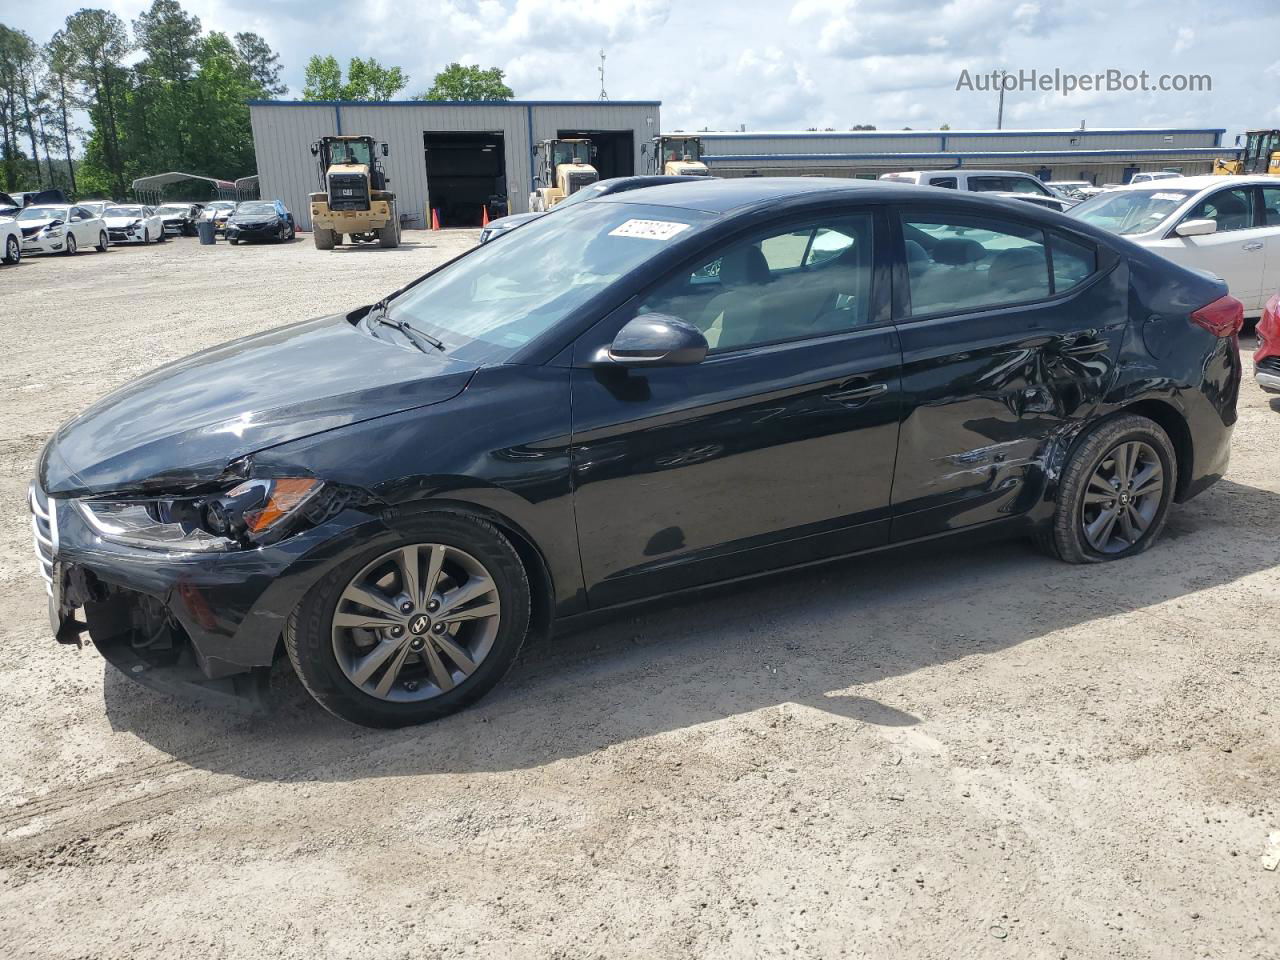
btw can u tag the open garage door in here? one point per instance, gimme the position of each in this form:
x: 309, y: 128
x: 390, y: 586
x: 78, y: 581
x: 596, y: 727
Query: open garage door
x: 615, y: 150
x: 466, y: 171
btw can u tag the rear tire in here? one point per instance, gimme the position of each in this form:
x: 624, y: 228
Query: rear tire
x: 323, y: 238
x: 389, y: 236
x: 1093, y: 485
x: 314, y: 645
x: 103, y: 242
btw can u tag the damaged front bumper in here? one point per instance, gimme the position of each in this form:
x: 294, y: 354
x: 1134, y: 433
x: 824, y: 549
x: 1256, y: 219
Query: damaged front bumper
x: 207, y: 624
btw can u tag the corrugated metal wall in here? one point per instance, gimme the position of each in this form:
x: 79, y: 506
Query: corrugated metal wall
x: 968, y: 141
x: 283, y: 134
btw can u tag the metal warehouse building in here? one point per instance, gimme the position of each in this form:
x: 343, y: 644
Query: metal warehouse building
x: 450, y: 156
x: 1100, y: 156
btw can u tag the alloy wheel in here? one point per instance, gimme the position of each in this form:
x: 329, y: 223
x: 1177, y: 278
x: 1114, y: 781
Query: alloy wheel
x: 12, y: 250
x: 1122, y: 498
x: 416, y: 622
x: 71, y: 243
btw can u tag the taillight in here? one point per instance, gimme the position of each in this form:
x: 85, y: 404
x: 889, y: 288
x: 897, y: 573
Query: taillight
x: 1223, y: 318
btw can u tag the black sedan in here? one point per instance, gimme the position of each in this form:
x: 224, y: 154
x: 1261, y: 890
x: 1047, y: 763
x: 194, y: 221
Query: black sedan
x: 260, y: 220
x: 646, y: 393
x: 180, y: 218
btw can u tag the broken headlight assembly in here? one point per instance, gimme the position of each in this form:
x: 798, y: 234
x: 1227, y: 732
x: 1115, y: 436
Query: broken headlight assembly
x: 252, y: 513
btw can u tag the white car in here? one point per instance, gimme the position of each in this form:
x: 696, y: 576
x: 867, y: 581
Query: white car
x: 130, y: 223
x: 1154, y: 175
x: 1228, y: 226
x: 979, y: 181
x: 61, y: 228
x: 1060, y: 204
x: 10, y: 240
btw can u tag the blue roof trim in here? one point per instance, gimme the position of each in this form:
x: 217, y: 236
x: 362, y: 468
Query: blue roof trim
x: 711, y: 158
x: 455, y: 103
x: 871, y: 134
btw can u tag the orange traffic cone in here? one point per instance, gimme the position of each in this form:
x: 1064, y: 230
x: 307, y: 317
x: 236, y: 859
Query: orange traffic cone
x: 435, y: 219
x: 484, y: 216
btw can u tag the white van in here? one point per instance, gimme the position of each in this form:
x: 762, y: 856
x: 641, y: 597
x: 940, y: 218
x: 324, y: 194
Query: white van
x: 979, y: 181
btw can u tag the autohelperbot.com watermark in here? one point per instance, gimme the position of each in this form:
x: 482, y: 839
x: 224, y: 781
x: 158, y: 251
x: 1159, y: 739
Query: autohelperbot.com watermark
x: 1065, y: 83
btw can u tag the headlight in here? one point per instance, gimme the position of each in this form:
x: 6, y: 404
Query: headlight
x: 249, y: 514
x: 52, y: 228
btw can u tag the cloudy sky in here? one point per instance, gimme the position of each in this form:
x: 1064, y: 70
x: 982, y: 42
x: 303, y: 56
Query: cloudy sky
x: 790, y: 64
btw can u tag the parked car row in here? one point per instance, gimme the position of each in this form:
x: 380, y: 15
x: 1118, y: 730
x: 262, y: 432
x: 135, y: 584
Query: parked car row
x: 97, y: 224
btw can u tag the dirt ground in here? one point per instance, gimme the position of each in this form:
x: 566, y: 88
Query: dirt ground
x: 977, y: 753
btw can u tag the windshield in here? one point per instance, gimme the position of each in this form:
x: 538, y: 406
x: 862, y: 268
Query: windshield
x: 349, y: 152
x: 679, y: 149
x: 43, y: 213
x: 572, y: 153
x: 499, y: 297
x: 123, y: 212
x: 256, y: 208
x: 1129, y: 212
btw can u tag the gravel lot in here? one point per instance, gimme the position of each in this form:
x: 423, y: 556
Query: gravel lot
x: 980, y: 753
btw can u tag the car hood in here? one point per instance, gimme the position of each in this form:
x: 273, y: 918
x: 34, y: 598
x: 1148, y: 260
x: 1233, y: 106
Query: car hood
x: 514, y: 220
x: 42, y: 222
x: 122, y: 221
x: 179, y: 427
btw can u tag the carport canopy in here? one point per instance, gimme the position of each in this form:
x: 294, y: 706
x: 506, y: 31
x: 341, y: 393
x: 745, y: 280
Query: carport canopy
x: 152, y: 186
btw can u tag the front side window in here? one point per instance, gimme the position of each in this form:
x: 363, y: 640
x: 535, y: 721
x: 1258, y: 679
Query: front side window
x: 1229, y: 209
x: 959, y: 262
x: 807, y: 281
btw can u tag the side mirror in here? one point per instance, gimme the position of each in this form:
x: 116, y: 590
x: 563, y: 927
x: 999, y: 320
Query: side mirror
x: 315, y: 149
x: 1196, y: 228
x: 385, y: 150
x: 656, y: 340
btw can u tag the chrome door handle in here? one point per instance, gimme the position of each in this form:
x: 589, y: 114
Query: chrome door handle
x: 1253, y: 245
x: 855, y: 396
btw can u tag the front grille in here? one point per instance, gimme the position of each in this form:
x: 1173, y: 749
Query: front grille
x: 348, y: 191
x: 44, y: 528
x: 30, y: 231
x: 579, y: 180
x: 117, y: 235
x: 1270, y: 364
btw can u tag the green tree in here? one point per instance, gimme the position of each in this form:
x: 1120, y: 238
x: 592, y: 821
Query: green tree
x: 458, y: 82
x: 323, y: 79
x: 263, y: 63
x: 19, y: 96
x: 99, y: 42
x: 366, y: 80
x: 60, y: 63
x: 222, y: 137
x: 370, y: 80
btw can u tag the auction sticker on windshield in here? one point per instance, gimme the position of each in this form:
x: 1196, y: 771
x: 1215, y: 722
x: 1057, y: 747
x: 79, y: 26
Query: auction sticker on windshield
x: 648, y: 229
x: 1176, y: 197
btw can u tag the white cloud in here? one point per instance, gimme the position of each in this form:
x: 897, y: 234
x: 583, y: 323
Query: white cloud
x: 1186, y: 37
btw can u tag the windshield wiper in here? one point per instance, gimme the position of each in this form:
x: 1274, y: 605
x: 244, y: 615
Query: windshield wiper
x: 378, y: 314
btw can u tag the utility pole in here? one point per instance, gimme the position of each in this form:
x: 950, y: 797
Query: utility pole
x: 1000, y: 111
x: 600, y: 70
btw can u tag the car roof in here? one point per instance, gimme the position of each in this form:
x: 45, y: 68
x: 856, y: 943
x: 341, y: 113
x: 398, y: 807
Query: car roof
x: 622, y: 184
x: 720, y: 196
x: 1202, y: 182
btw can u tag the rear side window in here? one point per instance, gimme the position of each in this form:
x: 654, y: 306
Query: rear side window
x: 1007, y: 185
x: 1073, y: 262
x: 957, y: 263
x: 947, y: 182
x: 1271, y: 206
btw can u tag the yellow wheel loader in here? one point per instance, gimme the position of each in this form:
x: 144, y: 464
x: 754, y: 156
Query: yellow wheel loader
x: 563, y: 168
x: 354, y: 201
x: 678, y: 155
x: 1260, y: 154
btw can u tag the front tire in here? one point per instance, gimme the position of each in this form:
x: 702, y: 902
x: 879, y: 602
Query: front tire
x: 1115, y: 492
x: 12, y: 250
x: 410, y: 633
x: 71, y: 245
x: 146, y: 236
